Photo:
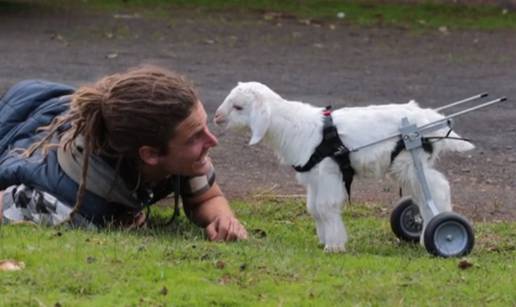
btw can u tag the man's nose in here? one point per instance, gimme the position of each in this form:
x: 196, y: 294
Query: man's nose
x: 212, y: 139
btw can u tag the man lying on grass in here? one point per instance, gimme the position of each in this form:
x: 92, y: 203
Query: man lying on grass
x: 100, y: 155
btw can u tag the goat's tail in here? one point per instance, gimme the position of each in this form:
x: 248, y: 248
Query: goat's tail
x: 454, y: 142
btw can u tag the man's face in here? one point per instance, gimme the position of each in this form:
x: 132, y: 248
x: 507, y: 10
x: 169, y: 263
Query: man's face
x: 188, y: 150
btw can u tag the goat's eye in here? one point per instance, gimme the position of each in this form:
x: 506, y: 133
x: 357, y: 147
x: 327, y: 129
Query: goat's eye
x: 238, y: 108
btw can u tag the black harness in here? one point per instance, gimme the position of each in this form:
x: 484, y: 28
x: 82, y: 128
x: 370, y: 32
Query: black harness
x: 331, y: 146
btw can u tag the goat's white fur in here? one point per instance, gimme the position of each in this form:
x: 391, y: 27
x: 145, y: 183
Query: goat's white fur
x: 294, y: 129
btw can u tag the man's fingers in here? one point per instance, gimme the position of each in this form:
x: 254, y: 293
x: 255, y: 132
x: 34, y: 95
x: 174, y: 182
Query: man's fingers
x: 140, y: 219
x: 211, y: 232
x: 218, y: 229
x: 237, y: 231
x: 242, y: 232
x: 223, y: 228
x: 232, y: 231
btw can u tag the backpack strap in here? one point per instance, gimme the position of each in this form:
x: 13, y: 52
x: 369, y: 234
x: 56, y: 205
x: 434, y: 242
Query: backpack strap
x: 101, y: 179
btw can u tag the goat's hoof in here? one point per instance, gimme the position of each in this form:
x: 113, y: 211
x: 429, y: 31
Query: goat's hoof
x: 334, y: 248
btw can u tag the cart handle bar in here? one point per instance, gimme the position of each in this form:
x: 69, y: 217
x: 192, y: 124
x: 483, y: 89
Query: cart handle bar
x: 482, y: 95
x: 435, y: 124
x: 480, y: 106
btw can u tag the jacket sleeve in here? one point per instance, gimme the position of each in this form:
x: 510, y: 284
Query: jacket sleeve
x: 26, y: 107
x: 29, y: 104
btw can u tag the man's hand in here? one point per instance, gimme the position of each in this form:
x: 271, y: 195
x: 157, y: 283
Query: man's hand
x: 226, y: 228
x: 138, y: 221
x: 211, y: 210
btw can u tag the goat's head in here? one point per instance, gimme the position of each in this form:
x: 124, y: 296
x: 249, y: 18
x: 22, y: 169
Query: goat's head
x: 247, y: 105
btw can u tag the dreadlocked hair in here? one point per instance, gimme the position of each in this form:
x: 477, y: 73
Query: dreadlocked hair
x: 119, y: 114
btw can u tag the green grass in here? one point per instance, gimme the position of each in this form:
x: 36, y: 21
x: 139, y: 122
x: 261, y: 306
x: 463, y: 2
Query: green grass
x: 426, y: 15
x: 281, y: 265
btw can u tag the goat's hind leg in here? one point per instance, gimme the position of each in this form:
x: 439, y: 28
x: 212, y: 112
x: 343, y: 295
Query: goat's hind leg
x: 437, y: 184
x: 440, y: 190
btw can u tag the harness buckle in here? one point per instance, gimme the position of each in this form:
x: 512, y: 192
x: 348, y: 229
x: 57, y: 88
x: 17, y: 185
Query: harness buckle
x: 341, y: 150
x: 327, y: 111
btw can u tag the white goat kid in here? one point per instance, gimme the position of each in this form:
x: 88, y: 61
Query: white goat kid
x: 294, y: 129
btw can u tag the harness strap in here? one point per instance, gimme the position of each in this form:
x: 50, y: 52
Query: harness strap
x: 331, y: 146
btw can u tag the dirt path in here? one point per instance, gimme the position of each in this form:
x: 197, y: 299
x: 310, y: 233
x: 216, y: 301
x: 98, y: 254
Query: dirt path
x: 322, y: 64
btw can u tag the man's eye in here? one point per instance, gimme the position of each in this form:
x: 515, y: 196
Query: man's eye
x: 238, y: 108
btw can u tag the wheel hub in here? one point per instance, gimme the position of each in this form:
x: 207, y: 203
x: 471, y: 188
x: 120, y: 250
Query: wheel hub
x: 450, y: 238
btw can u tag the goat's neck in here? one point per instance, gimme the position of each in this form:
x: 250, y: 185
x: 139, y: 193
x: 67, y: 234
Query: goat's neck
x: 295, y: 130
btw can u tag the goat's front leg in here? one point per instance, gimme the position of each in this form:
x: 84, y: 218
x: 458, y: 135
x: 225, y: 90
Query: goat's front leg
x: 325, y: 195
x: 335, y: 233
x: 311, y: 193
x: 329, y: 199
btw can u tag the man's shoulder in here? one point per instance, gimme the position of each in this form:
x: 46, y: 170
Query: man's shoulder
x: 37, y: 90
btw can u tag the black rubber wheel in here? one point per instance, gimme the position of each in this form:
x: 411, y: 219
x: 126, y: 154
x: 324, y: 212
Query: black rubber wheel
x: 406, y: 221
x: 449, y: 234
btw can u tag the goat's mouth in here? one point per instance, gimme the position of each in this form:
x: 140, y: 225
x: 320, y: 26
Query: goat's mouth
x: 220, y: 120
x: 221, y: 125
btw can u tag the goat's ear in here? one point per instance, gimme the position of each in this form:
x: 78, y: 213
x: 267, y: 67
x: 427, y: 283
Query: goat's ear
x: 259, y: 121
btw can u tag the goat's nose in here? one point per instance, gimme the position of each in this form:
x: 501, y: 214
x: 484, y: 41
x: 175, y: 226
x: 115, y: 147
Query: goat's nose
x: 219, y: 118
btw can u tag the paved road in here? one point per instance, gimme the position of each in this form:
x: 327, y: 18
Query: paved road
x: 318, y: 63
